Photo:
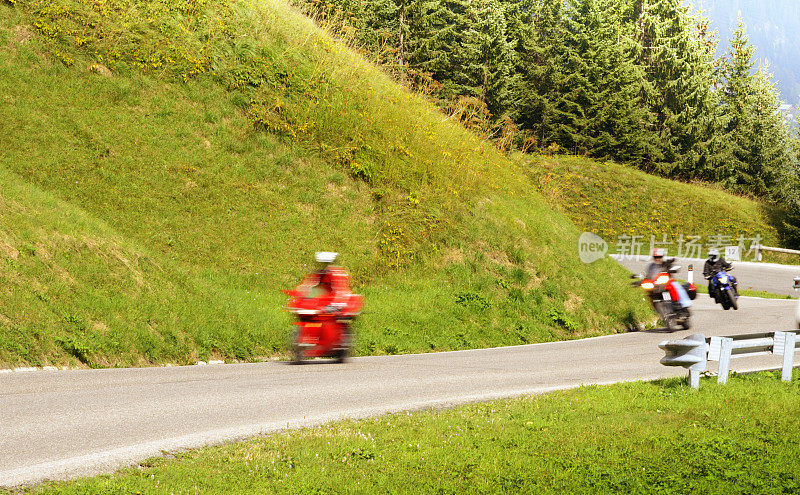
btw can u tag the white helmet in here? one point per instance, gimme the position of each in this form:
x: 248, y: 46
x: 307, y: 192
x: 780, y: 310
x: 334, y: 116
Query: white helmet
x: 713, y: 254
x: 325, y: 256
x: 659, y: 253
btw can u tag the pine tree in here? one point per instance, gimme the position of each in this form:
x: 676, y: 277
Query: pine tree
x: 791, y: 197
x: 436, y: 29
x: 758, y: 154
x: 768, y: 169
x: 678, y: 58
x: 381, y: 29
x: 600, y: 110
x: 488, y: 66
x: 736, y: 97
x: 540, y: 29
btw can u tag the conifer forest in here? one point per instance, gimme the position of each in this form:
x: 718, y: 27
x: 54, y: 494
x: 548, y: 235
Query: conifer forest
x: 635, y: 81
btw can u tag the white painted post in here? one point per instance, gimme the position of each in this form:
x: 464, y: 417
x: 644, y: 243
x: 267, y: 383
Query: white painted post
x: 788, y: 356
x: 714, y: 348
x: 725, y: 360
x: 694, y: 379
x: 690, y: 276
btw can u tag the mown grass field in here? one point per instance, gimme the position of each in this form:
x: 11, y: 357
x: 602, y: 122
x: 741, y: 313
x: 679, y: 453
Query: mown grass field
x: 659, y: 437
x: 214, y: 147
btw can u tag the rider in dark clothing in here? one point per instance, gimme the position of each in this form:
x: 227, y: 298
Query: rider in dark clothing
x: 714, y: 264
x: 656, y: 266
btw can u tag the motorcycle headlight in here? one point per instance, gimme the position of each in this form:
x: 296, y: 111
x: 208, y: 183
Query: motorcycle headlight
x: 723, y: 279
x: 647, y: 285
x: 662, y: 279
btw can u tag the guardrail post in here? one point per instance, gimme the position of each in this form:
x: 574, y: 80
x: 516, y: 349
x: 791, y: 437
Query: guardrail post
x: 689, y: 353
x: 694, y: 378
x: 725, y: 352
x: 714, y: 346
x: 788, y: 355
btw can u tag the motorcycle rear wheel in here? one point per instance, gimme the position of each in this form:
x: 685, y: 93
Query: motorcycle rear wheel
x: 347, y: 346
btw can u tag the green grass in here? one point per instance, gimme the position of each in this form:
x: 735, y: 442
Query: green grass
x: 75, y: 292
x: 659, y: 437
x: 228, y: 141
x: 761, y: 293
x: 611, y: 199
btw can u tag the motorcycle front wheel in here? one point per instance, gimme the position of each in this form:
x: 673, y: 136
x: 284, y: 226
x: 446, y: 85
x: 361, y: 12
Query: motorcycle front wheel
x: 298, y: 355
x: 671, y: 323
x: 734, y: 303
x: 663, y: 308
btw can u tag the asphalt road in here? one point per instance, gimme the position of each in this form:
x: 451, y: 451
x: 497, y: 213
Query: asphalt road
x: 65, y: 424
x: 773, y: 278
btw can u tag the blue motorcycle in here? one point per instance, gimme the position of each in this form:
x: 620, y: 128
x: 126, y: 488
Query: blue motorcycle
x: 724, y: 290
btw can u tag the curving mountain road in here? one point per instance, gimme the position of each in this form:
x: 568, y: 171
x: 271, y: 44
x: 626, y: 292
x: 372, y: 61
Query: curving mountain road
x: 64, y: 424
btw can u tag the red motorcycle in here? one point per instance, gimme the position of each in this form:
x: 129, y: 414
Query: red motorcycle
x: 322, y: 330
x: 664, y: 298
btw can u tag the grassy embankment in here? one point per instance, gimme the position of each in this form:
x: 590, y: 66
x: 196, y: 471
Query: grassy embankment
x: 610, y: 199
x: 170, y: 166
x: 659, y: 437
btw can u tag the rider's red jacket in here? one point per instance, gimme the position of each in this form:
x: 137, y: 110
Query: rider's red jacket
x: 334, y: 280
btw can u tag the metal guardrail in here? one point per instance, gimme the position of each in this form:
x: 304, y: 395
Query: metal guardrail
x: 759, y: 249
x: 723, y: 349
x: 693, y: 352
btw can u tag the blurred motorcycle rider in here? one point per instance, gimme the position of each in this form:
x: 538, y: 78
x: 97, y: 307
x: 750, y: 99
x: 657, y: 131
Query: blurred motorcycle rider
x: 716, y: 263
x: 657, y: 265
x: 660, y: 264
x: 328, y: 279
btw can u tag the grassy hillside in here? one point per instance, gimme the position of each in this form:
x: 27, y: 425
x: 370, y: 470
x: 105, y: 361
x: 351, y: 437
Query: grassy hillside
x: 73, y: 290
x: 225, y: 142
x: 659, y: 437
x: 611, y: 199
